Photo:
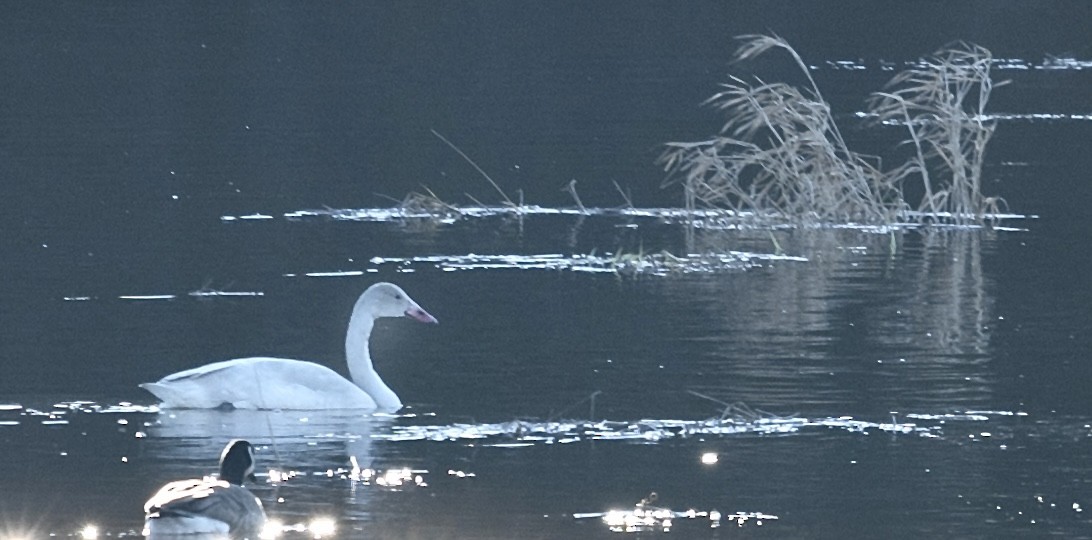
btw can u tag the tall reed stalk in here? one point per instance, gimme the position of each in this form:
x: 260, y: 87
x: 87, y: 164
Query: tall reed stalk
x: 942, y: 102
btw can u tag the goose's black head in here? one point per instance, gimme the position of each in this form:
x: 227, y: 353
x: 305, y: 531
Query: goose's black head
x: 237, y: 462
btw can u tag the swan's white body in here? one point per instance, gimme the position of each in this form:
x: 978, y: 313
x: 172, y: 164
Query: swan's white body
x: 264, y: 383
x: 280, y: 383
x: 209, y: 506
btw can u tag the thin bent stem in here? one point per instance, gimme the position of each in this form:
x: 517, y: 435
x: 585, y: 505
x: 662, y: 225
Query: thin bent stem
x: 476, y: 167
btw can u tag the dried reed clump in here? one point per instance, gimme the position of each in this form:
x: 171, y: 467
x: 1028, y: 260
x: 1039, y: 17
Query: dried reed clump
x: 942, y: 103
x: 781, y: 157
x: 428, y: 203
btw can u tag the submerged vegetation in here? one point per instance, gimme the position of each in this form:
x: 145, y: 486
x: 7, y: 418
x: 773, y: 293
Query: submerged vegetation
x: 781, y: 157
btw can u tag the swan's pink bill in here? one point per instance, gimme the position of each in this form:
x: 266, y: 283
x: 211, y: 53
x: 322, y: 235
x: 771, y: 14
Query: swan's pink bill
x: 419, y: 314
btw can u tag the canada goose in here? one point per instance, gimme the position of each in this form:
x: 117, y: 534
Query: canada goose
x: 220, y: 506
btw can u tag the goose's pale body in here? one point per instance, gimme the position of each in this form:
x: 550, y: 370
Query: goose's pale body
x: 281, y: 383
x: 206, y: 506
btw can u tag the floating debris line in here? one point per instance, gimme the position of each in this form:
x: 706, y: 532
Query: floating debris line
x: 530, y: 433
x: 646, y: 516
x: 1050, y: 63
x: 212, y: 293
x: 451, y: 213
x: 671, y: 215
x: 201, y: 294
x: 521, y: 433
x: 1026, y: 117
x: 147, y: 297
x: 708, y: 218
x: 661, y: 263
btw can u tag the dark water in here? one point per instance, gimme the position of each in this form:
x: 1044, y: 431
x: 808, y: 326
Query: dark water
x: 922, y: 383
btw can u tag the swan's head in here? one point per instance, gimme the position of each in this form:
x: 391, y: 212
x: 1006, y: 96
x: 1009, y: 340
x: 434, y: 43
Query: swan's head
x: 237, y: 462
x: 389, y: 300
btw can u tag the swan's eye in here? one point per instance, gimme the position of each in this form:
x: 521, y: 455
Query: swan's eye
x: 397, y: 297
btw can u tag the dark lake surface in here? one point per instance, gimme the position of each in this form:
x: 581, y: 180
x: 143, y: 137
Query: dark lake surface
x: 192, y: 182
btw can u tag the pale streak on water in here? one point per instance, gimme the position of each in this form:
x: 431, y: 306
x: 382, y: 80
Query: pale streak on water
x: 1051, y: 63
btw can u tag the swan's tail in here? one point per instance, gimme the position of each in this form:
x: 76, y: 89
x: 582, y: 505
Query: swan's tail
x: 170, y: 397
x: 186, y: 396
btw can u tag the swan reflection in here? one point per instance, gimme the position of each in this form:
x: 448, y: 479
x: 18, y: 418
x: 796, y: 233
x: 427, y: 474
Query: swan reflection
x: 294, y: 443
x: 293, y: 437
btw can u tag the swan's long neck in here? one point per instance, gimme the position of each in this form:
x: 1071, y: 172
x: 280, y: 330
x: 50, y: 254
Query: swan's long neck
x: 360, y: 362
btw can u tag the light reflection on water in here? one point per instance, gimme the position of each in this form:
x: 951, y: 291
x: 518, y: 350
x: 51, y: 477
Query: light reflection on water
x: 649, y: 516
x: 629, y: 218
x: 524, y: 433
x: 291, y: 436
x: 302, y: 452
x: 659, y: 264
x: 1049, y: 63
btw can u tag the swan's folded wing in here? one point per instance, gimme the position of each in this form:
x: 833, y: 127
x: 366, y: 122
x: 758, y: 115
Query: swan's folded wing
x: 208, y: 370
x: 260, y: 383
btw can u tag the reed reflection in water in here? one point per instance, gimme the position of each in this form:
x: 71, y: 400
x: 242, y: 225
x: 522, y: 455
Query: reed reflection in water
x: 903, y: 314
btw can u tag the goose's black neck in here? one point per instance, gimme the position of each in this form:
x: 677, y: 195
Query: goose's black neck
x: 237, y: 462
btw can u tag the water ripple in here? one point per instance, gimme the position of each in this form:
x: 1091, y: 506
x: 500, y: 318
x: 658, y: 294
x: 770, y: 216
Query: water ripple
x: 645, y: 516
x: 520, y: 433
x: 662, y: 263
x: 450, y: 213
x: 1050, y: 63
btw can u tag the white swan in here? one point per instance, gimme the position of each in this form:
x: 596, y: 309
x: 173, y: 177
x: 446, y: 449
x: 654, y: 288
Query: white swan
x: 279, y: 383
x: 209, y: 506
